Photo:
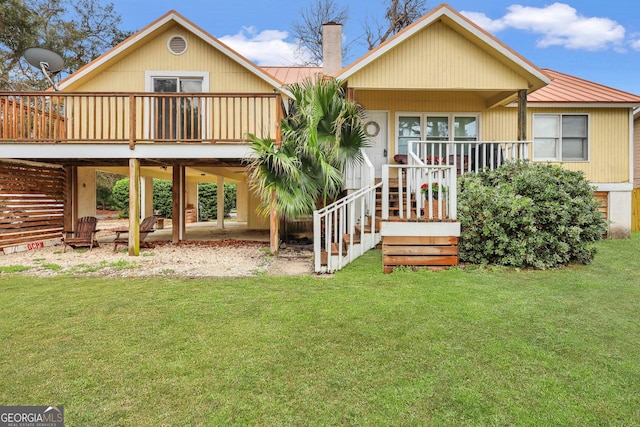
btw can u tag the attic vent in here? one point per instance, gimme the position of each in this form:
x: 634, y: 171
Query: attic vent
x: 177, y: 45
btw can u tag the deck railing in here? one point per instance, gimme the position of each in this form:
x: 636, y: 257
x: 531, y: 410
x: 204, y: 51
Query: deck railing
x: 440, y: 188
x: 469, y: 156
x: 65, y: 117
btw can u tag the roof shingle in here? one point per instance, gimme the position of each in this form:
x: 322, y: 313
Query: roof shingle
x: 570, y: 89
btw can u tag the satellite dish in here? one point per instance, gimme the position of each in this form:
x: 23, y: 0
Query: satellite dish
x: 46, y: 60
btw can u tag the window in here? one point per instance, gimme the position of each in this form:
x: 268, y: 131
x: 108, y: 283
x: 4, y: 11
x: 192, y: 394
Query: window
x: 561, y: 137
x: 435, y: 127
x: 409, y: 129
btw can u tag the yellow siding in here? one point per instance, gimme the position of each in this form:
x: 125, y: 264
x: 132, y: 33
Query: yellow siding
x: 128, y: 74
x: 608, y: 143
x: 609, y: 127
x: 437, y: 57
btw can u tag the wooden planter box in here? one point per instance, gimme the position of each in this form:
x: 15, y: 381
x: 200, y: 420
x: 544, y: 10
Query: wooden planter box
x: 437, y: 207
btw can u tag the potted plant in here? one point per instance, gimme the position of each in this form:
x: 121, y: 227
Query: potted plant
x: 436, y: 189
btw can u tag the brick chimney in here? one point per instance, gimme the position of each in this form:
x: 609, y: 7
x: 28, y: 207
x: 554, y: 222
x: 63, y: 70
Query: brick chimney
x: 331, y: 48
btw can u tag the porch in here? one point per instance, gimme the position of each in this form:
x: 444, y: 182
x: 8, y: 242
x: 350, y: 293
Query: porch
x: 411, y: 210
x: 175, y: 136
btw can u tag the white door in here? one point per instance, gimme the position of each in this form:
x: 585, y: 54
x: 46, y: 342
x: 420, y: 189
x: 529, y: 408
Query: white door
x: 376, y: 127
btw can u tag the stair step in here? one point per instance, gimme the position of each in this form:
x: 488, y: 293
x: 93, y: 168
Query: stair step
x: 335, y: 249
x: 346, y: 238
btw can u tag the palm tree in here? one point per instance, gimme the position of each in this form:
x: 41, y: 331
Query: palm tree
x: 321, y: 135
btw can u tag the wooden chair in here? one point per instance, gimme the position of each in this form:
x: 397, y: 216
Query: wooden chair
x: 146, y: 227
x: 83, y: 236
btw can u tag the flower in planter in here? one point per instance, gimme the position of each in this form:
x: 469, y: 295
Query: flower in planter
x: 434, y: 160
x: 424, y: 189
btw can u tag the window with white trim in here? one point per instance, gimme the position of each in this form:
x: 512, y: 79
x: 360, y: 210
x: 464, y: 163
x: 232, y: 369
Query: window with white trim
x: 435, y: 127
x: 561, y: 137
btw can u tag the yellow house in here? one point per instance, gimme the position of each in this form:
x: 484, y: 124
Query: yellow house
x: 445, y: 79
x: 174, y: 102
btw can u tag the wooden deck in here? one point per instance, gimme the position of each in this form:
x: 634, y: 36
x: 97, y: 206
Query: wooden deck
x: 131, y: 118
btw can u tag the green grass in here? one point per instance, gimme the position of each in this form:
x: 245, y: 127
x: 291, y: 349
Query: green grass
x: 13, y: 268
x: 460, y: 347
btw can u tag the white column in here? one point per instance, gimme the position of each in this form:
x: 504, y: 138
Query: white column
x: 220, y: 201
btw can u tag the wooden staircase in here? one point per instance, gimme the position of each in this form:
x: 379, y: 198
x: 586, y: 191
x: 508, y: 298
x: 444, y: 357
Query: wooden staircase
x: 409, y: 250
x: 377, y: 214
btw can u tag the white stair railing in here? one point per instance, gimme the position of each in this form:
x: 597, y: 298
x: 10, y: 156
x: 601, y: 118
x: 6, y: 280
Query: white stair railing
x: 359, y: 174
x: 344, y: 230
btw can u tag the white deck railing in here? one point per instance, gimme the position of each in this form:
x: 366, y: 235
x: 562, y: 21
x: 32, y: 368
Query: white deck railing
x: 469, y: 156
x: 347, y: 227
x: 440, y: 186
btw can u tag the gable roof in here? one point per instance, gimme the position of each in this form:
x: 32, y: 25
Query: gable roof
x: 481, y: 37
x: 139, y: 38
x: 565, y: 88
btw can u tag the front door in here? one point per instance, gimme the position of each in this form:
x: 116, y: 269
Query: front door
x: 376, y: 127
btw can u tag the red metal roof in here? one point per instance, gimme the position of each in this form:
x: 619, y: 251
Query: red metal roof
x: 569, y: 89
x: 289, y: 75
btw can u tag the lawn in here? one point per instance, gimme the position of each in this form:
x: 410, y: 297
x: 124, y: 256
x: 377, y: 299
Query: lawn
x: 476, y: 346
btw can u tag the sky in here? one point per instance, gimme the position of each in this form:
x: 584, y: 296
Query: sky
x: 597, y: 40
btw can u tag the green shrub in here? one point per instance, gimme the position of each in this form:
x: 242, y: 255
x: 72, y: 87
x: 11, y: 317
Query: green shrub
x: 120, y: 194
x: 162, y: 198
x: 526, y: 214
x: 208, y: 196
x: 104, y: 197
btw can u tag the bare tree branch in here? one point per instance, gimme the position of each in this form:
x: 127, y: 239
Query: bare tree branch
x: 399, y: 15
x: 308, y: 30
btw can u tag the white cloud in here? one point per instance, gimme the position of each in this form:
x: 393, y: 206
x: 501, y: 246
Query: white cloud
x: 267, y: 47
x: 635, y: 43
x: 482, y: 20
x: 559, y: 25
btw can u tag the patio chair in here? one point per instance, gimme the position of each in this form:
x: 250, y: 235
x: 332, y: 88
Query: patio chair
x: 146, y: 227
x: 83, y: 236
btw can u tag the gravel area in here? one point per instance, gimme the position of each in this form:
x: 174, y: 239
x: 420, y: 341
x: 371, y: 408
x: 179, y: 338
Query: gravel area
x: 228, y: 258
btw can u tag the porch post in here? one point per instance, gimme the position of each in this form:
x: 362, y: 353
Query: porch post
x: 178, y: 207
x: 351, y: 94
x: 274, y: 224
x: 522, y: 115
x: 134, y: 207
x: 274, y: 221
x: 220, y: 204
x: 146, y: 185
